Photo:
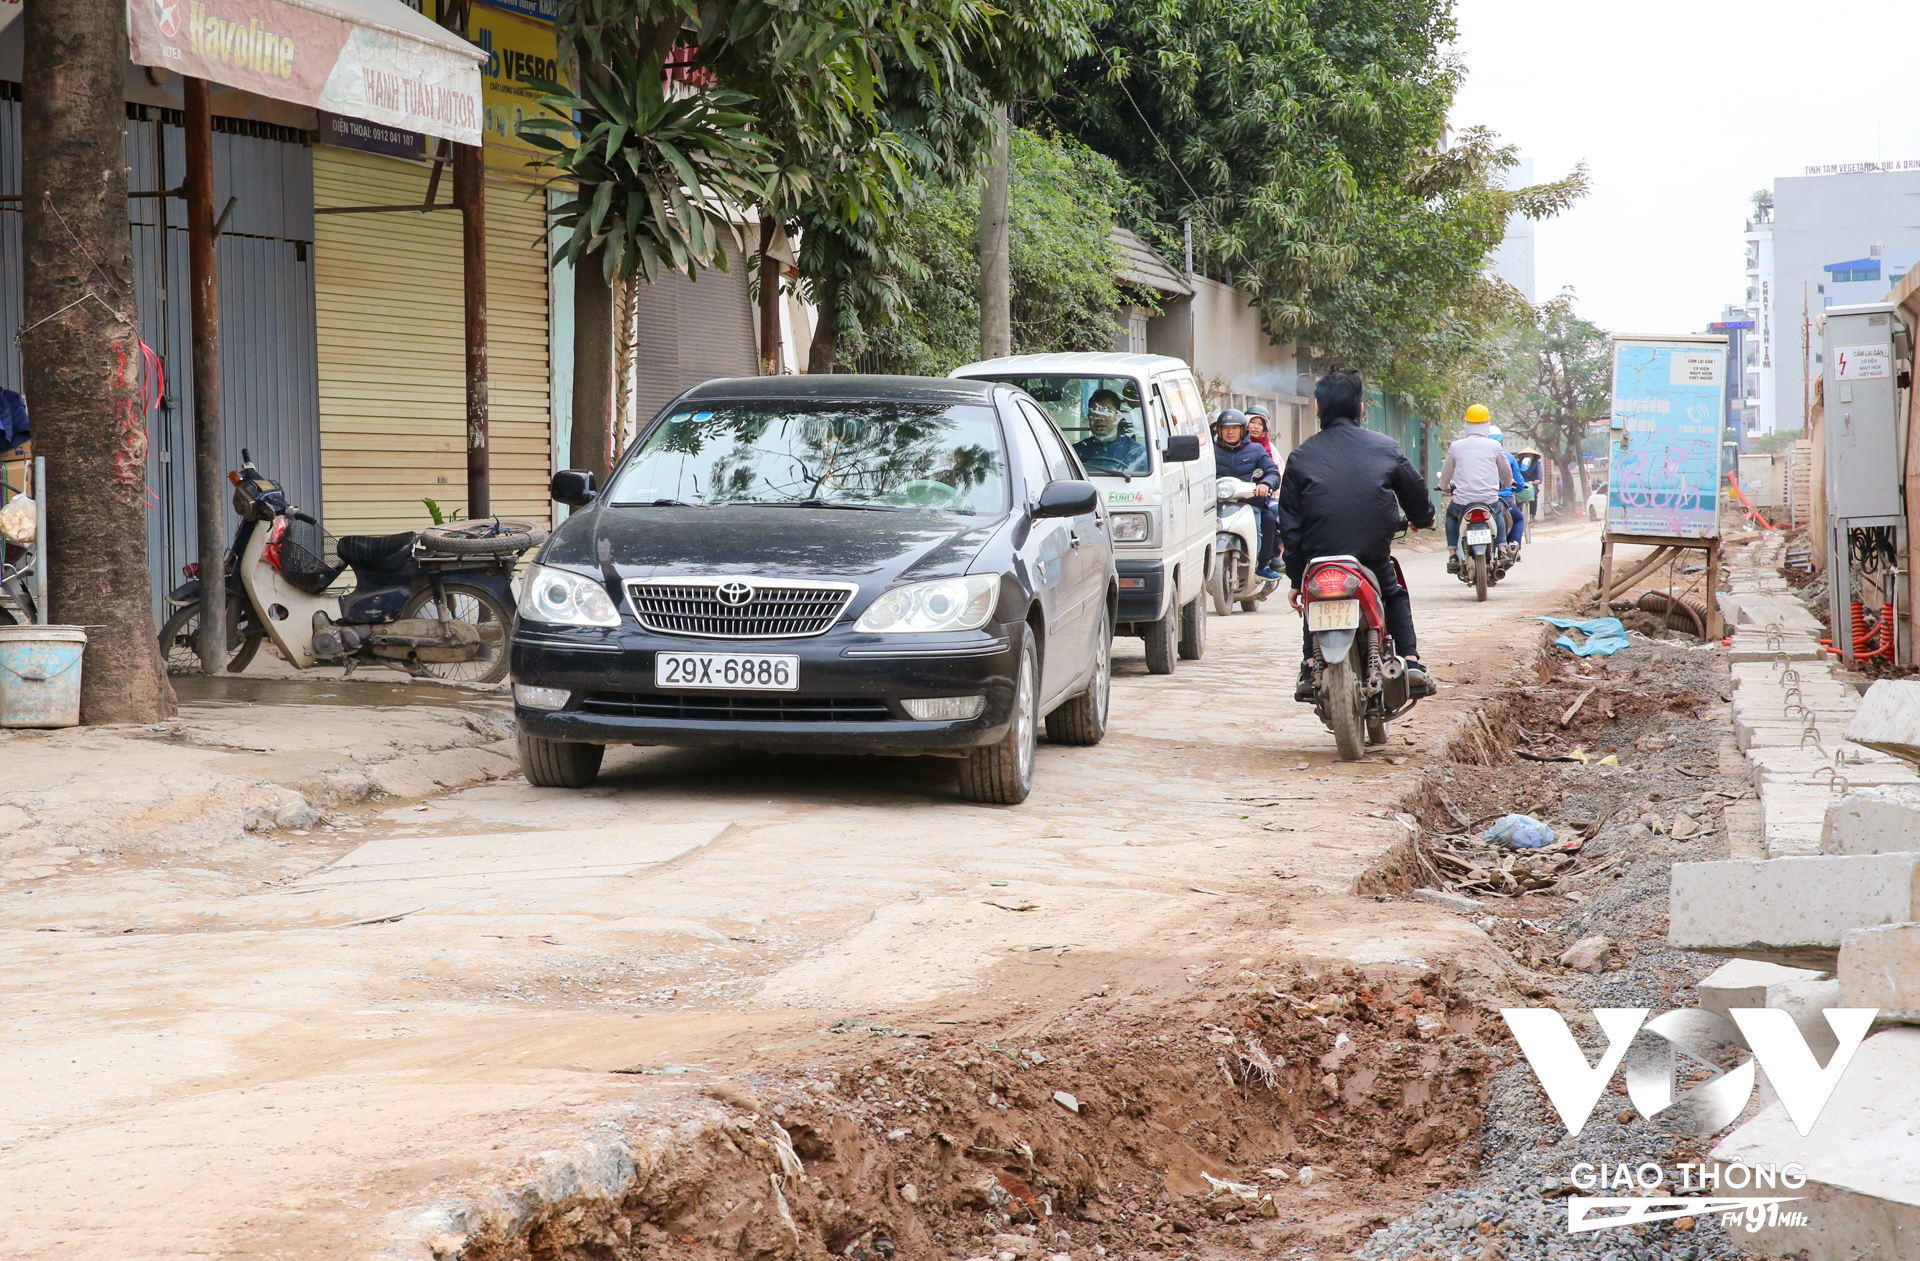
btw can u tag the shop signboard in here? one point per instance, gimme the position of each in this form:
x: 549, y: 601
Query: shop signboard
x: 1665, y: 469
x: 519, y: 49
x: 389, y: 65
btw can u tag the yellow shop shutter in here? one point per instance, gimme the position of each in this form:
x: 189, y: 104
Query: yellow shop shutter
x: 388, y: 296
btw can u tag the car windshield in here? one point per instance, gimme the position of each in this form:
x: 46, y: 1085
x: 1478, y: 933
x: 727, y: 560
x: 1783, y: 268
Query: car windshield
x: 896, y: 456
x: 1101, y: 417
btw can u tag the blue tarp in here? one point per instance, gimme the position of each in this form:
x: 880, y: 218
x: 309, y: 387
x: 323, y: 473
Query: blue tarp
x: 13, y: 420
x: 1604, y: 635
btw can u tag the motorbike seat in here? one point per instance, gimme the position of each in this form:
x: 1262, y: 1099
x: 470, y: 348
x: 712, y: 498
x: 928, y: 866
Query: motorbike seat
x: 385, y: 553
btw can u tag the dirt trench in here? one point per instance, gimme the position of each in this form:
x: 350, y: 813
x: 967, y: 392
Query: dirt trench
x: 1333, y: 1098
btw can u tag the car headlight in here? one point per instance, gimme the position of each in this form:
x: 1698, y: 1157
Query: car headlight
x: 949, y: 604
x: 565, y: 598
x: 1132, y: 527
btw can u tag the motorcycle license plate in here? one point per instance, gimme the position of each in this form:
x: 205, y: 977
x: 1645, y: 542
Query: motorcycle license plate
x: 1479, y: 536
x: 1333, y: 615
x: 732, y: 672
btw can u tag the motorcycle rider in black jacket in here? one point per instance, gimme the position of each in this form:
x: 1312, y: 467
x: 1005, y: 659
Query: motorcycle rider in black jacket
x: 1344, y: 492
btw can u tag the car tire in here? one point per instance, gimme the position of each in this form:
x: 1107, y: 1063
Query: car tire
x: 1083, y: 720
x: 559, y: 763
x: 1163, y: 642
x: 1193, y: 628
x: 1001, y: 774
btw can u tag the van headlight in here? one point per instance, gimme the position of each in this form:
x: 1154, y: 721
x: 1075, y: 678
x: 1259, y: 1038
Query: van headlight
x: 948, y: 604
x: 1132, y: 527
x: 564, y: 598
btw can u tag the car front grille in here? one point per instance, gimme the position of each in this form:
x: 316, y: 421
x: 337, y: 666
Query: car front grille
x: 726, y: 708
x: 739, y: 608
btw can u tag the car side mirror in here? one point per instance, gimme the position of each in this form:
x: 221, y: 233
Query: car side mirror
x: 1181, y: 449
x: 1067, y: 499
x: 573, y: 487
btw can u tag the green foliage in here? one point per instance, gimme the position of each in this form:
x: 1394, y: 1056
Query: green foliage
x: 1778, y: 440
x: 1416, y: 314
x: 1263, y: 121
x: 1552, y: 379
x: 1062, y: 203
x: 441, y: 516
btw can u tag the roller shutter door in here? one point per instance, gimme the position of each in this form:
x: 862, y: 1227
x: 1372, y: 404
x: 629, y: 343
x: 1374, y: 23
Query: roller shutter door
x: 391, y: 341
x: 692, y: 331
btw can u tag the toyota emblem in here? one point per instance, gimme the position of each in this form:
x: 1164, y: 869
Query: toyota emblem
x: 735, y: 593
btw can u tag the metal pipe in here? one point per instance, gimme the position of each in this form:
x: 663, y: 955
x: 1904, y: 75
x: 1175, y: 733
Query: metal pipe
x: 469, y: 193
x: 40, y: 614
x: 208, y: 475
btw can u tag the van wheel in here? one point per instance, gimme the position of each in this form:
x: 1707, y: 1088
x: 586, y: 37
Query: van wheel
x: 1163, y: 642
x: 559, y: 763
x: 1083, y: 720
x: 1001, y: 774
x: 1193, y: 629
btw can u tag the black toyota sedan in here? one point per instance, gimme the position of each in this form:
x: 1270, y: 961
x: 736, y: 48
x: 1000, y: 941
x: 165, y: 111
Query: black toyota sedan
x: 824, y: 564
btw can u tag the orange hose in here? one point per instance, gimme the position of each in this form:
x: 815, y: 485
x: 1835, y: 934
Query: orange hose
x: 1753, y: 513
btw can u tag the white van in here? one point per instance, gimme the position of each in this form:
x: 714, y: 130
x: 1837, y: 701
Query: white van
x: 1156, y: 469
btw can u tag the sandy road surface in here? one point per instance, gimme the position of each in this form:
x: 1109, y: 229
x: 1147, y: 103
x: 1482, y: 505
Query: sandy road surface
x: 291, y: 1052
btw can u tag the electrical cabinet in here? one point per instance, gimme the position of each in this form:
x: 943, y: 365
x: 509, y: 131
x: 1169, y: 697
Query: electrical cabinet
x: 1862, y: 433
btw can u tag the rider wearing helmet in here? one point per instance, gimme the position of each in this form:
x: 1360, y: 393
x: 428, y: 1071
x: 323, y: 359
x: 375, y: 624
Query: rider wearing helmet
x: 1510, y: 494
x: 1345, y: 491
x: 1235, y: 455
x: 1474, y: 471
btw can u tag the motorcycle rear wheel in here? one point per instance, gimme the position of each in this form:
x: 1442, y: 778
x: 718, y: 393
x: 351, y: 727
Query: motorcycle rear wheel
x: 177, y: 636
x: 468, y: 604
x: 1217, y: 585
x: 1346, y: 700
x: 1479, y: 577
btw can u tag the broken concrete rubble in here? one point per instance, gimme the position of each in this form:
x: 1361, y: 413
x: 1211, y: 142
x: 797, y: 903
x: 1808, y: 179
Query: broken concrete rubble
x: 1889, y: 719
x: 1880, y: 967
x: 1877, y: 820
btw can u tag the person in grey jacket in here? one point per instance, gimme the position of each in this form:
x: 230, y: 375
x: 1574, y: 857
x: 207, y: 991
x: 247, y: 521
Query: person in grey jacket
x: 1474, y: 472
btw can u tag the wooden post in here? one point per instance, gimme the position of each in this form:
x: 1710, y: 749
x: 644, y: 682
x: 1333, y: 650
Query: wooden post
x: 1714, y: 628
x: 470, y: 194
x: 209, y: 477
x: 1606, y: 572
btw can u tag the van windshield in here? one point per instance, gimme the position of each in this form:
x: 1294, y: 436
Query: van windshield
x: 1101, y: 416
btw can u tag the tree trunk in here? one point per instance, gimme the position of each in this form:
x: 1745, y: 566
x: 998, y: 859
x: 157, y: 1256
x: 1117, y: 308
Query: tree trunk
x: 996, y: 286
x: 80, y: 345
x: 769, y: 299
x: 826, y: 332
x: 593, y: 356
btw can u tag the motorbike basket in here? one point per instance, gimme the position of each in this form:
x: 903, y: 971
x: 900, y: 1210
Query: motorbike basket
x: 307, y: 557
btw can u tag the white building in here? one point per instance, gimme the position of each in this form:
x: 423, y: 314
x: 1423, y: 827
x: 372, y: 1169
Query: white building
x: 1757, y: 374
x: 1512, y: 260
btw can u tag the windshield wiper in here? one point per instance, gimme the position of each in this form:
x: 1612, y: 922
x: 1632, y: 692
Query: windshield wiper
x: 811, y: 503
x: 657, y: 503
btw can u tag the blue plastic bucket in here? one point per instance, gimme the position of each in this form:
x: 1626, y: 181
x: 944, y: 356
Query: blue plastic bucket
x: 40, y: 675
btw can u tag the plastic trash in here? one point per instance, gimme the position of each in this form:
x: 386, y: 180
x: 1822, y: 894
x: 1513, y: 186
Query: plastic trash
x: 17, y: 522
x: 1519, y: 831
x: 1604, y: 635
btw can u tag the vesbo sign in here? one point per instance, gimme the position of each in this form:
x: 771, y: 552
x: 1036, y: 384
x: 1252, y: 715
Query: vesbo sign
x: 1692, y: 1046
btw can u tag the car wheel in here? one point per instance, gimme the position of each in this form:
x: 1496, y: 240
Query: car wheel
x: 1193, y: 629
x: 1163, y: 642
x: 559, y: 763
x: 1083, y: 720
x: 1001, y: 774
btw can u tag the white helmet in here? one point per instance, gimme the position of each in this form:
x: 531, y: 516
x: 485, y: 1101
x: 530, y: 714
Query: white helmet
x: 1497, y: 436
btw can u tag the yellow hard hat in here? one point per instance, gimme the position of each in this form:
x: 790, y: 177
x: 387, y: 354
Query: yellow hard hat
x: 1478, y: 415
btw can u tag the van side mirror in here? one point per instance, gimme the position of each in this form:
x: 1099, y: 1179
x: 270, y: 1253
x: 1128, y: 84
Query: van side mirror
x: 1181, y: 449
x: 573, y: 487
x: 1067, y: 499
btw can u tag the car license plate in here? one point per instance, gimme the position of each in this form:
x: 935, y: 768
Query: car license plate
x: 1479, y: 536
x: 1333, y: 615
x: 733, y: 672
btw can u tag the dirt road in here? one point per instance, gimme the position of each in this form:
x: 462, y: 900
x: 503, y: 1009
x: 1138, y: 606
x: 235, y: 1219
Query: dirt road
x: 313, y: 1042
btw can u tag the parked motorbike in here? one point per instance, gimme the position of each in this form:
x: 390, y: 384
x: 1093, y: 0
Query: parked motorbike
x: 1237, y: 549
x: 437, y: 603
x: 1360, y: 682
x: 1482, y: 552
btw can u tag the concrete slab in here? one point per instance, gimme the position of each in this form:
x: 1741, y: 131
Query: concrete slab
x: 1744, y: 983
x: 1878, y: 820
x: 1889, y: 719
x: 1862, y: 1160
x: 1880, y: 967
x: 1789, y: 910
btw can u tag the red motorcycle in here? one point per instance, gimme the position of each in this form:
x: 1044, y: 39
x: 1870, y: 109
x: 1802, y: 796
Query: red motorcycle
x: 1359, y: 682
